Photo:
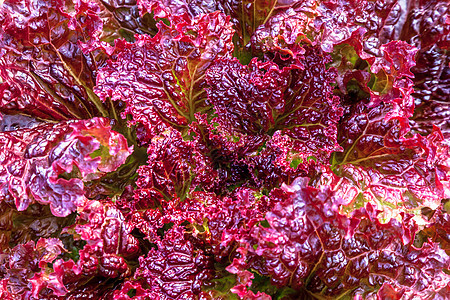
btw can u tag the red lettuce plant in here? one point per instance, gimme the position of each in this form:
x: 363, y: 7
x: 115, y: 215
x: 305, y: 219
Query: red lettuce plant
x: 162, y: 149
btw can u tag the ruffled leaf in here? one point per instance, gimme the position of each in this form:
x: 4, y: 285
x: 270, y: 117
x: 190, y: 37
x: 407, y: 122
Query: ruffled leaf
x: 122, y: 19
x: 174, y: 8
x: 308, y: 245
x: 249, y: 15
x: 438, y: 230
x: 27, y: 272
x: 285, y: 29
x: 106, y: 247
x: 427, y: 27
x: 175, y: 270
x: 50, y: 162
x: 162, y: 78
x: 294, y: 105
x: 43, y: 69
x: 20, y: 227
x: 383, y: 165
x: 231, y: 218
x: 175, y: 168
x: 365, y: 24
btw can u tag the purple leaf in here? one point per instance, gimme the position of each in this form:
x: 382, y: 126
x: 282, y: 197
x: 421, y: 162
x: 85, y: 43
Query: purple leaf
x: 427, y: 27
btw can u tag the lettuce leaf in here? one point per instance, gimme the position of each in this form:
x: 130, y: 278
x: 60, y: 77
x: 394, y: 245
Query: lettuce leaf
x: 50, y: 163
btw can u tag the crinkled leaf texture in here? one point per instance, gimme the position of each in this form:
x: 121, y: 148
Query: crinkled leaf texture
x: 246, y: 16
x: 366, y: 24
x: 290, y: 149
x: 384, y: 165
x: 38, y: 272
x: 427, y: 27
x: 45, y: 73
x: 308, y: 245
x: 122, y: 19
x: 283, y: 31
x: 175, y: 168
x: 27, y: 273
x: 108, y: 245
x: 20, y: 227
x: 161, y: 78
x: 231, y: 218
x: 175, y: 270
x: 292, y: 110
x: 173, y: 8
x: 249, y: 15
x: 50, y: 162
x: 439, y: 228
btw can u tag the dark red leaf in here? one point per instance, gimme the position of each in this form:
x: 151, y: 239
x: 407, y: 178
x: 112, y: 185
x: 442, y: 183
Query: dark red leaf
x: 162, y: 78
x: 105, y: 230
x: 285, y: 29
x: 249, y: 15
x: 44, y: 72
x: 294, y: 105
x: 174, y: 8
x: 176, y: 270
x: 231, y: 218
x: 50, y: 162
x: 20, y: 227
x: 319, y: 100
x: 365, y: 24
x: 122, y: 19
x: 175, y: 168
x: 439, y: 229
x: 27, y: 271
x: 309, y: 245
x: 427, y: 28
x: 383, y: 165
